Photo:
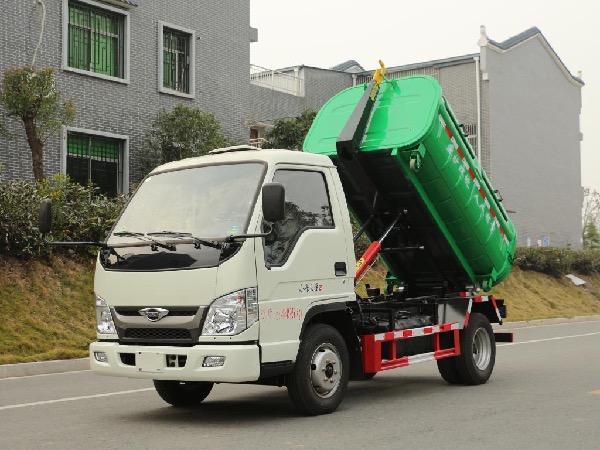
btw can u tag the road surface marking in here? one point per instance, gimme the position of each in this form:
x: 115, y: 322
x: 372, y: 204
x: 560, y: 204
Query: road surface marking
x: 549, y: 339
x: 45, y: 374
x: 595, y: 392
x: 72, y: 399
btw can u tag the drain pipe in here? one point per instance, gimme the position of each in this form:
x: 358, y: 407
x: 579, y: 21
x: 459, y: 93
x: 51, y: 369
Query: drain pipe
x: 42, y: 24
x: 478, y: 84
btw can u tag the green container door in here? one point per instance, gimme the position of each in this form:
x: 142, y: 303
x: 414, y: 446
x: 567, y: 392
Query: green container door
x: 417, y: 157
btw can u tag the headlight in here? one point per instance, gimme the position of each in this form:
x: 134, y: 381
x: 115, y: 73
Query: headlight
x: 232, y: 313
x: 104, y: 320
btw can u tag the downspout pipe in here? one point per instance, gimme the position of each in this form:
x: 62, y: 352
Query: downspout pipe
x: 478, y: 87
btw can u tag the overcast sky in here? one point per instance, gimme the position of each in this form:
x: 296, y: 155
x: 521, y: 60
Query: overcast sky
x: 323, y: 33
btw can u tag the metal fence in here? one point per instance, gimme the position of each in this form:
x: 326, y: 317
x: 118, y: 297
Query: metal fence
x: 277, y: 80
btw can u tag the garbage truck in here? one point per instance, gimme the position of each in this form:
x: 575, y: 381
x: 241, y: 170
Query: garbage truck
x: 239, y: 266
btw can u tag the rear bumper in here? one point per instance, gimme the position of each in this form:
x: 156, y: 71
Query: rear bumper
x: 242, y: 362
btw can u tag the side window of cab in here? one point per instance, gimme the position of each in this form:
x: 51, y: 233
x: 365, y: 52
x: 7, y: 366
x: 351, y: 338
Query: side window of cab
x: 307, y: 206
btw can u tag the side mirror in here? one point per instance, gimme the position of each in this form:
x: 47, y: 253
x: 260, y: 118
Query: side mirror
x: 45, y: 222
x: 273, y: 202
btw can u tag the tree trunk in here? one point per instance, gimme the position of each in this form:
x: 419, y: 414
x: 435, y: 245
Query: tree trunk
x: 37, y: 149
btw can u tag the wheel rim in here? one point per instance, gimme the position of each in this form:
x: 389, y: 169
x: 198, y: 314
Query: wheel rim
x: 482, y: 349
x: 325, y: 370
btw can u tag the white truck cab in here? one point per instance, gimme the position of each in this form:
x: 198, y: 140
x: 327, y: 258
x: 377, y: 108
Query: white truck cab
x: 182, y: 296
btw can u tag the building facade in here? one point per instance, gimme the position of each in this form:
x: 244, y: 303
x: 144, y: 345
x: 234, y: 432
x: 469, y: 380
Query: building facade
x: 518, y: 104
x: 120, y: 62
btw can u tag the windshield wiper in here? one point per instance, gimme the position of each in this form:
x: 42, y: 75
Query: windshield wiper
x: 154, y: 244
x: 193, y: 239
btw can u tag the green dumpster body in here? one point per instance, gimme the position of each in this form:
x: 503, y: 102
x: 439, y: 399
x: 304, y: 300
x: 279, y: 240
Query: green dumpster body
x: 456, y: 232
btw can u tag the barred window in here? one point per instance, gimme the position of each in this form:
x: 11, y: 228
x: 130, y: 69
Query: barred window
x: 96, y: 159
x: 176, y: 60
x: 96, y: 40
x: 176, y: 52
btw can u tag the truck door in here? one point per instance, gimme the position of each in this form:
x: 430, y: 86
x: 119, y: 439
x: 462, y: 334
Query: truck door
x: 304, y: 263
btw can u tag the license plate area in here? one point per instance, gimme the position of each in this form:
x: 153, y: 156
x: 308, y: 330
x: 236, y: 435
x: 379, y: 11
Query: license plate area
x: 152, y: 362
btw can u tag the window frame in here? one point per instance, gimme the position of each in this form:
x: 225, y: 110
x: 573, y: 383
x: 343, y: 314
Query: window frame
x: 126, y: 37
x: 192, y: 67
x: 64, y: 151
x: 293, y: 242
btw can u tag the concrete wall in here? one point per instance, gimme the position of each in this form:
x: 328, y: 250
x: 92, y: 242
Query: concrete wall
x: 222, y: 72
x: 535, y: 141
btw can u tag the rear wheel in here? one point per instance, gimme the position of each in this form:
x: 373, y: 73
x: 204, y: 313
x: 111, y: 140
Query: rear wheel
x: 478, y: 351
x: 447, y: 366
x: 320, y: 377
x: 448, y: 370
x: 182, y: 393
x: 477, y: 356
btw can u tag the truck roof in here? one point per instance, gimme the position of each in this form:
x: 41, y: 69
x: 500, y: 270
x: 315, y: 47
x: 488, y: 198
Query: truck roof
x: 247, y: 153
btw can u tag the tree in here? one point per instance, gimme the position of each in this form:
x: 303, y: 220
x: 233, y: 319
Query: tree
x: 591, y: 237
x: 30, y: 96
x: 591, y: 218
x: 182, y: 133
x: 289, y: 133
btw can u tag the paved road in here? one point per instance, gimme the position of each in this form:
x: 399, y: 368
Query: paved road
x: 544, y: 394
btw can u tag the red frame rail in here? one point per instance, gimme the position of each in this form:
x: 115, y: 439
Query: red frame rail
x: 374, y: 361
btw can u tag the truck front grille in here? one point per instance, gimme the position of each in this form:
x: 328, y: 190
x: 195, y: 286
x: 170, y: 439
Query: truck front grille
x: 158, y: 333
x: 173, y: 312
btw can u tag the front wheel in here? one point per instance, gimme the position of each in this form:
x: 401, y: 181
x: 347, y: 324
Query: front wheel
x: 319, y: 381
x: 182, y: 393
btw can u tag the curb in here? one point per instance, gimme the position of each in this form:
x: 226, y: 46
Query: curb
x: 43, y: 367
x: 73, y: 365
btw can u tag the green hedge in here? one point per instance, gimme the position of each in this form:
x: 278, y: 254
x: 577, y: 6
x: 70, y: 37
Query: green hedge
x: 558, y: 261
x: 79, y: 213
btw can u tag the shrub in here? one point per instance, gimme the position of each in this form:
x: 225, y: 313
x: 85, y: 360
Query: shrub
x: 586, y: 262
x: 79, y: 213
x: 557, y: 261
x: 549, y: 260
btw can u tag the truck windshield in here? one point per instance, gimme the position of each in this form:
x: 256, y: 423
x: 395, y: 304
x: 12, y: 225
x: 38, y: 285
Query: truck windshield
x: 205, y: 202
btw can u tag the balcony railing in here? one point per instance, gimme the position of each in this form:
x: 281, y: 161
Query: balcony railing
x: 290, y: 83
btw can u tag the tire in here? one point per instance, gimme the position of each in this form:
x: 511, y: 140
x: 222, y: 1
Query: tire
x: 447, y: 366
x: 448, y: 370
x: 182, y: 393
x: 319, y: 380
x: 478, y: 351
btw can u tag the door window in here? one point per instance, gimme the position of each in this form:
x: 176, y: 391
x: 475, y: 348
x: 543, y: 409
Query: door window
x: 307, y: 206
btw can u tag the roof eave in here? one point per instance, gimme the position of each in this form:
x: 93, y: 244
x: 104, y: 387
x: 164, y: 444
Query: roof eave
x: 501, y: 47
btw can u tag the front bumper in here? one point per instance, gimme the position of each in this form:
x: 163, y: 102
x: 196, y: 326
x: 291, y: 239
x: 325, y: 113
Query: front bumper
x: 242, y: 362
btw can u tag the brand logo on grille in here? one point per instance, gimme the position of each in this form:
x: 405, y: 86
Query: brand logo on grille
x: 153, y: 314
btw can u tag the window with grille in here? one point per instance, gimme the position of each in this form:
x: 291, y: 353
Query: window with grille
x: 96, y: 159
x: 470, y: 132
x: 96, y: 40
x: 176, y: 60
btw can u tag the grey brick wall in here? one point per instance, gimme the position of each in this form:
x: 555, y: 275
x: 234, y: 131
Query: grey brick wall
x: 459, y: 86
x: 535, y: 137
x: 222, y: 72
